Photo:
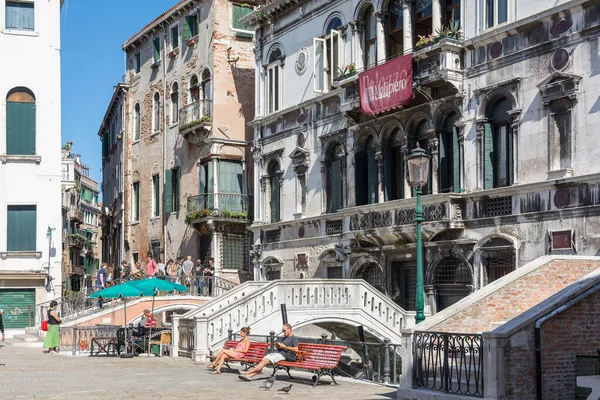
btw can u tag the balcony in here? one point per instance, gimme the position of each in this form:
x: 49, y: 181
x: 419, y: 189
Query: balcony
x: 439, y: 62
x: 195, y: 121
x: 75, y: 214
x: 219, y: 206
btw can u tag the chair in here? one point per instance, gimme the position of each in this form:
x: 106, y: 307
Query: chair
x: 163, y: 344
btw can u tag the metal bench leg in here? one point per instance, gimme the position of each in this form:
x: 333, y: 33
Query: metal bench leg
x: 287, y: 369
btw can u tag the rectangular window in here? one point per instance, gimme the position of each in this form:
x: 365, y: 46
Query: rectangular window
x: 328, y: 60
x: 156, y: 46
x: 190, y: 28
x: 20, y: 16
x: 21, y: 228
x: 136, y: 201
x: 496, y: 12
x: 174, y: 37
x: 239, y: 11
x: 175, y: 184
x: 562, y: 240
x: 172, y: 178
x: 138, y: 63
x: 335, y: 273
x: 156, y: 195
x: 234, y: 251
x: 274, y: 87
x: 20, y: 128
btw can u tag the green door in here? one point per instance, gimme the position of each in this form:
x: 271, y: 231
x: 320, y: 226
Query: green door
x: 15, y: 303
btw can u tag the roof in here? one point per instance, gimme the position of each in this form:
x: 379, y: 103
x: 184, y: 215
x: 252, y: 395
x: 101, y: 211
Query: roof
x: 118, y: 90
x: 156, y: 21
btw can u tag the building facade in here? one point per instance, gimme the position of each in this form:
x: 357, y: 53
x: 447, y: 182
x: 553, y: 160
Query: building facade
x: 190, y: 78
x: 503, y: 99
x: 30, y: 159
x: 112, y: 134
x: 81, y: 223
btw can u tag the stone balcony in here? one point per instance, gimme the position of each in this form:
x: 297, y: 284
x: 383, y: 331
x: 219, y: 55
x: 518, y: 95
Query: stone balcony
x: 438, y: 63
x: 195, y: 121
x: 74, y: 214
x: 219, y: 207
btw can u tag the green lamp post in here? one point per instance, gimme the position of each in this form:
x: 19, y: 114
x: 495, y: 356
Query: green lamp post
x: 418, y: 172
x: 49, y: 237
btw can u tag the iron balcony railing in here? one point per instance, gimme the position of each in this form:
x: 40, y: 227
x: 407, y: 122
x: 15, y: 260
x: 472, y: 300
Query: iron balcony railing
x: 448, y: 362
x: 223, y: 205
x: 194, y: 114
x: 186, y: 330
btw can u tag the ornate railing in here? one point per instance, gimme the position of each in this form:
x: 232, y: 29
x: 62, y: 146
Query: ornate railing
x: 448, y: 362
x: 78, y: 339
x: 221, y: 205
x: 194, y: 114
x: 187, y: 335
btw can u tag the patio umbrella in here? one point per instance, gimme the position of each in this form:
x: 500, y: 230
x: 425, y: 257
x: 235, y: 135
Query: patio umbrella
x: 121, y: 291
x: 153, y: 285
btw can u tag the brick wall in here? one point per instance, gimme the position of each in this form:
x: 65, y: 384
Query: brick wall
x: 517, y: 297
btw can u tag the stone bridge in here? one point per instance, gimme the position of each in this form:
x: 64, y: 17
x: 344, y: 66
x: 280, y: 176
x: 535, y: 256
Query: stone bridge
x: 328, y: 303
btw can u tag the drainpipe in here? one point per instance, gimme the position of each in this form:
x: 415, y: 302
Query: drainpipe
x: 164, y: 147
x: 539, y: 322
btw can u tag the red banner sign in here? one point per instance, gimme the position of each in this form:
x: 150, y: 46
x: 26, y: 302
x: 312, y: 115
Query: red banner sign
x: 386, y: 86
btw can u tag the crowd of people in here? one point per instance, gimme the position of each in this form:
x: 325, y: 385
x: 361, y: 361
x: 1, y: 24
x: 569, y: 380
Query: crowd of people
x: 198, y: 277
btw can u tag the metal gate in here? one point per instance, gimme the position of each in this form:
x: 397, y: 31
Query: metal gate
x: 18, y: 306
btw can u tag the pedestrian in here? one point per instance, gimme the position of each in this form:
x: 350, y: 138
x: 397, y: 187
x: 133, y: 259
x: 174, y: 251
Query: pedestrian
x: 209, y: 272
x: 52, y: 341
x: 134, y: 270
x: 179, y: 270
x: 125, y: 270
x: 286, y: 350
x: 101, y: 281
x: 161, y: 269
x: 170, y: 275
x: 1, y: 322
x: 151, y: 267
x: 198, y: 272
x: 188, y: 267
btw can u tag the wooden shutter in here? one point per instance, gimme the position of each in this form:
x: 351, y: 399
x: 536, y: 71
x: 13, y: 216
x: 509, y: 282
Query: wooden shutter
x: 238, y: 12
x: 136, y: 201
x: 210, y: 185
x: 168, y: 200
x: 12, y: 229
x: 319, y: 60
x: 388, y: 155
x: 372, y: 177
x: 21, y: 228
x: 175, y: 37
x: 360, y: 174
x: 202, y: 185
x: 455, y: 161
x: 20, y: 128
x: 336, y: 185
x: 176, y: 188
x: 156, y: 42
x: 443, y: 162
x: 488, y: 157
x: 138, y: 67
x: 156, y: 181
x: 187, y: 28
x: 275, y: 197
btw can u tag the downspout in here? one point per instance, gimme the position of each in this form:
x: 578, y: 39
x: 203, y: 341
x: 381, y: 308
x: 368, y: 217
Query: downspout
x: 164, y: 147
x: 539, y: 322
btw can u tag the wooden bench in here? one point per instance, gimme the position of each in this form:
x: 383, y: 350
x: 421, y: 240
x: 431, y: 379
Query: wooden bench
x: 256, y: 352
x: 320, y: 359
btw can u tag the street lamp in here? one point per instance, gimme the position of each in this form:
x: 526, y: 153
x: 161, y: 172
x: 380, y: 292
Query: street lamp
x: 418, y: 172
x: 49, y: 236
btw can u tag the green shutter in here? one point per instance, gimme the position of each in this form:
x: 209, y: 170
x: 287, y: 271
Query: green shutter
x: 16, y: 303
x: 136, y: 199
x: 443, y: 162
x: 388, y: 172
x: 138, y: 62
x: 511, y: 169
x: 177, y: 177
x: 20, y: 128
x: 168, y: 191
x: 456, y: 162
x: 238, y: 12
x: 202, y: 184
x: 336, y: 185
x: 372, y: 177
x: 12, y: 231
x: 210, y: 184
x: 156, y: 181
x: 187, y: 28
x: 21, y: 228
x: 488, y: 157
x: 156, y: 42
x: 175, y: 37
x: 360, y: 174
x: 275, y: 197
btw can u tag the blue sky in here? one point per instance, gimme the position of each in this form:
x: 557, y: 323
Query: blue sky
x: 92, y: 62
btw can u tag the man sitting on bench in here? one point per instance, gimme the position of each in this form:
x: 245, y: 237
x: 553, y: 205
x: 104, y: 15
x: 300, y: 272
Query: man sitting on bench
x: 286, y: 350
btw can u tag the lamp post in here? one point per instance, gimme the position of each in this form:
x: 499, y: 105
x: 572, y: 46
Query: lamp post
x: 49, y: 236
x: 418, y: 172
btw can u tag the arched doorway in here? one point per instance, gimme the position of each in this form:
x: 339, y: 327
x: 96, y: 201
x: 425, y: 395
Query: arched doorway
x: 452, y: 281
x: 498, y: 258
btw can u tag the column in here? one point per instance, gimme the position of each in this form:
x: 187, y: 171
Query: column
x: 480, y: 149
x: 516, y: 123
x: 461, y: 153
x: 380, y: 176
x: 407, y: 29
x: 381, y: 50
x: 434, y: 165
x: 324, y: 187
x: 357, y: 56
x: 406, y: 153
x: 258, y: 87
x: 436, y: 16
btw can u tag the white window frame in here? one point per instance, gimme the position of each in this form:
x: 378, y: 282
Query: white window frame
x: 18, y: 31
x: 326, y: 46
x: 179, y: 36
x: 137, y: 122
x: 276, y: 67
x: 495, y: 23
x: 231, y: 20
x: 571, y: 232
x: 155, y: 122
x: 134, y: 206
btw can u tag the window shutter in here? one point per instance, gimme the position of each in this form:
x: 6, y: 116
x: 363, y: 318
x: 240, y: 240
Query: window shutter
x: 177, y: 189
x: 388, y: 154
x: 156, y: 185
x: 156, y: 42
x: 138, y: 62
x: 443, y: 162
x: 210, y: 185
x: 488, y: 157
x: 510, y: 155
x: 319, y: 49
x: 455, y: 161
x: 30, y: 221
x: 168, y: 191
x: 238, y: 12
x: 136, y: 199
x: 187, y: 28
x: 202, y: 182
x: 175, y: 37
x: 372, y: 177
x: 12, y: 229
x: 336, y: 185
x: 360, y: 174
x: 275, y: 198
x: 20, y: 128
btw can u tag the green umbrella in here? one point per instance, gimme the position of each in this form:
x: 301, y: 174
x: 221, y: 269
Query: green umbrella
x: 153, y: 285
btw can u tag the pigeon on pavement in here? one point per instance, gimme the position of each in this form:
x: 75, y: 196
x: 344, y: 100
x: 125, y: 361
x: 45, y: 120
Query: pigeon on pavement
x: 268, y: 384
x: 286, y: 389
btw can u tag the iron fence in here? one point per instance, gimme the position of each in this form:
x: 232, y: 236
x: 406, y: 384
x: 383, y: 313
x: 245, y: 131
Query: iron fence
x: 186, y: 329
x: 221, y: 205
x: 448, y: 362
x: 78, y: 339
x: 196, y: 113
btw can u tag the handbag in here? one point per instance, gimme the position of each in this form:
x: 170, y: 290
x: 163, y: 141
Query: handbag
x: 45, y: 326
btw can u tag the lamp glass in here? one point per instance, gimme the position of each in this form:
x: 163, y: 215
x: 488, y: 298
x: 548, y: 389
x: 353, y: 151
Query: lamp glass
x: 49, y: 233
x: 418, y: 168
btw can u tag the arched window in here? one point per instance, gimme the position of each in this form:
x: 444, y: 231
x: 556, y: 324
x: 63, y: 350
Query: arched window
x: 394, y: 167
x: 452, y: 281
x: 156, y: 113
x: 498, y: 259
x: 370, y: 38
x: 20, y: 122
x: 498, y: 146
x: 137, y: 122
x: 334, y: 24
x: 206, y: 94
x: 419, y: 135
x: 274, y: 80
x: 335, y: 198
x: 449, y: 156
x: 194, y: 89
x: 275, y: 191
x: 174, y: 103
x: 395, y: 39
x: 366, y: 174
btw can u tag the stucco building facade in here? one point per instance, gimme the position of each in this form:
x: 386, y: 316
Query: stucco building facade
x: 505, y: 106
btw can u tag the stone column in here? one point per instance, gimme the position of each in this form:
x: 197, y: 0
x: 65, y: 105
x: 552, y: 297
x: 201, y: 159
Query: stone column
x: 407, y: 27
x: 258, y: 86
x: 266, y: 197
x: 436, y: 16
x: 516, y: 123
x: 461, y: 152
x: 435, y: 161
x: 381, y: 48
x: 324, y: 187
x: 357, y: 30
x: 380, y: 175
x: 430, y: 298
x: 480, y: 133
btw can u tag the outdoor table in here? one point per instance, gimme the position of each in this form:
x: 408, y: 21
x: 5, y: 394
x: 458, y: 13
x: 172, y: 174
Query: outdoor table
x: 106, y: 344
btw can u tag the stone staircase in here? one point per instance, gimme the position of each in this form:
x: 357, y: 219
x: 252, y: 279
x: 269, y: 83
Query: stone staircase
x: 32, y: 337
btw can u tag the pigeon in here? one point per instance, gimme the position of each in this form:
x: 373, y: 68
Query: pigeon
x: 286, y: 389
x: 268, y: 384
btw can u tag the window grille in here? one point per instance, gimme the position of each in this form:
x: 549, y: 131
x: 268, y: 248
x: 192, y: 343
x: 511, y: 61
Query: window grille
x: 498, y: 206
x: 333, y: 227
x: 335, y: 273
x: 204, y: 248
x: 273, y: 236
x: 374, y: 276
x: 234, y: 251
x: 452, y: 271
x: 497, y: 267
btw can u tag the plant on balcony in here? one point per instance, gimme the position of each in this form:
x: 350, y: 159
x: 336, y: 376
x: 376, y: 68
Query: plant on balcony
x: 346, y: 72
x: 233, y: 214
x: 201, y: 120
x: 425, y: 40
x: 452, y: 31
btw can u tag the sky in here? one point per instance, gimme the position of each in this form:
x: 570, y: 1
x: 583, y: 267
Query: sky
x: 92, y: 63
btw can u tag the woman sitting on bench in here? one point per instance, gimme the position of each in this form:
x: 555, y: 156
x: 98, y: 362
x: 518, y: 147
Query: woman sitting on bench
x: 225, y: 354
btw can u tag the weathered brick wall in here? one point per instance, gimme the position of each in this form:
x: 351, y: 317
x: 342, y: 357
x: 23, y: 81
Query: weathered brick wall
x: 572, y: 332
x: 519, y: 365
x: 518, y: 296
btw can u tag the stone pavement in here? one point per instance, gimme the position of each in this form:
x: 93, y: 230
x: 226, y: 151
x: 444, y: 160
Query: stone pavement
x: 27, y: 373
